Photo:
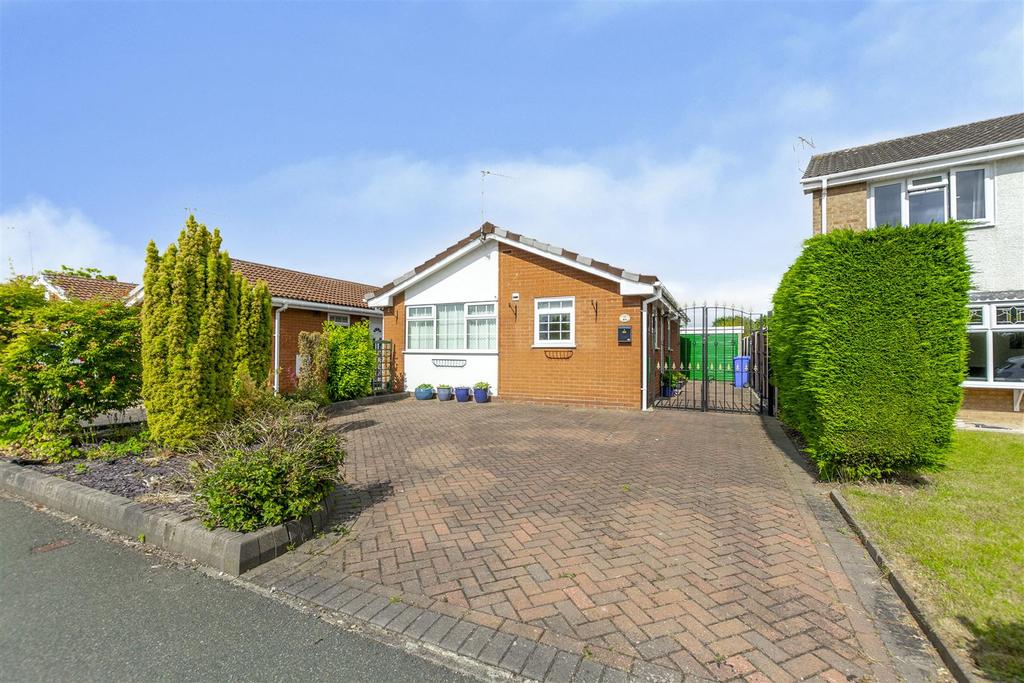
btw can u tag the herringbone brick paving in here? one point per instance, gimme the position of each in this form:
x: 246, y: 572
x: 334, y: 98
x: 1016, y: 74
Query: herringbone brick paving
x: 670, y: 539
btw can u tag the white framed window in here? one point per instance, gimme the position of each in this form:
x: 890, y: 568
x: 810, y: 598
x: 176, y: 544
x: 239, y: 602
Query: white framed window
x: 972, y: 194
x: 298, y: 364
x: 554, y: 321
x: 482, y: 326
x: 339, y: 319
x: 452, y: 327
x: 419, y: 327
x: 995, y: 341
x: 926, y: 199
x: 963, y: 193
x: 885, y: 204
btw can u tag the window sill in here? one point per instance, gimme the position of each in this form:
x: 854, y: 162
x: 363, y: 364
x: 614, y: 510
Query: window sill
x: 450, y: 352
x: 980, y: 225
x: 553, y: 346
x: 982, y: 384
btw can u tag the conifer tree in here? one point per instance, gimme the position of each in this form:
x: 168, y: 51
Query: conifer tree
x: 252, y: 352
x: 189, y: 324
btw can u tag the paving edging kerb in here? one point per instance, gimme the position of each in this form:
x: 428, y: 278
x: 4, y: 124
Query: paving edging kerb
x: 962, y: 671
x: 229, y: 551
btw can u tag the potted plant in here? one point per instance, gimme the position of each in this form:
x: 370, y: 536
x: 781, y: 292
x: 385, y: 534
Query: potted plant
x: 670, y: 381
x: 480, y: 392
x: 444, y: 392
x: 424, y: 392
x: 461, y: 394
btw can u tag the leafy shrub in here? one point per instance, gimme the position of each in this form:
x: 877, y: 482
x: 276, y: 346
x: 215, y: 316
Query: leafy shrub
x: 352, y: 361
x: 65, y: 363
x: 869, y: 347
x: 481, y: 385
x: 312, y: 381
x: 268, y: 468
x: 18, y: 296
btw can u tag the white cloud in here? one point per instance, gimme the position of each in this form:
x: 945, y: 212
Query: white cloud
x: 38, y: 235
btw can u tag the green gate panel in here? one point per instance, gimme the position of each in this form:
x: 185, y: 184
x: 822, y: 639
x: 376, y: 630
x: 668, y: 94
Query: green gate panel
x: 722, y: 348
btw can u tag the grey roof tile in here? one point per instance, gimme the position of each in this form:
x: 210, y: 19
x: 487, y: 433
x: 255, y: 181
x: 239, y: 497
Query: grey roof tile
x: 954, y: 139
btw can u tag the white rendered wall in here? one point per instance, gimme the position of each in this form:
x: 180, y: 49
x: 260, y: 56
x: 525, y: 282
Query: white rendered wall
x: 472, y: 278
x: 997, y: 253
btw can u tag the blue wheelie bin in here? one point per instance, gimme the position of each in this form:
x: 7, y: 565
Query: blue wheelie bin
x: 741, y: 371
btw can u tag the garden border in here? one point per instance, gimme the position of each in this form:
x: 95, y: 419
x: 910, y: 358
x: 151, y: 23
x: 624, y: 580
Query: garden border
x: 232, y: 552
x: 962, y: 671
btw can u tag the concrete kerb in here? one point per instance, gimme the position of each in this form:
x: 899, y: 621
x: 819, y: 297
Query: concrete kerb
x: 229, y: 551
x: 962, y: 670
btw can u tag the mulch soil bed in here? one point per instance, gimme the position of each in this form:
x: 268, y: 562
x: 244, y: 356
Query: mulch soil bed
x: 156, y: 482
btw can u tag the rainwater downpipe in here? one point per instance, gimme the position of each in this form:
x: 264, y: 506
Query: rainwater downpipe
x: 824, y: 204
x: 277, y: 347
x: 643, y: 336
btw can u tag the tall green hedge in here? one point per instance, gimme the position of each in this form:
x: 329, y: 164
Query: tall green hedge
x: 189, y: 321
x: 869, y: 347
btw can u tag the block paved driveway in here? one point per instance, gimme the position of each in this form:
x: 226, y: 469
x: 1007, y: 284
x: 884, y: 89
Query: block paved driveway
x: 592, y: 541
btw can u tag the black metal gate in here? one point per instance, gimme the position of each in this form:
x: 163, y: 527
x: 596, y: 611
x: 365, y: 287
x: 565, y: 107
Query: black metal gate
x: 723, y: 363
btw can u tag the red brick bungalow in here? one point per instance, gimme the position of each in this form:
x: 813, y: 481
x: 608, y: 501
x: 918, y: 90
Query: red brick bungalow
x: 301, y: 302
x: 537, y: 322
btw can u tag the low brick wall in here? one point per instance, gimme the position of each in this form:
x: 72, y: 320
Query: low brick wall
x: 228, y: 551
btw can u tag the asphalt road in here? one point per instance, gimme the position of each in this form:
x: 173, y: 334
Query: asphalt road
x: 95, y: 610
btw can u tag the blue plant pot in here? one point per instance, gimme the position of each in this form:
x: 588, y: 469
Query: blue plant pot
x: 444, y: 394
x: 481, y: 395
x: 461, y: 394
x: 668, y: 392
x: 424, y: 394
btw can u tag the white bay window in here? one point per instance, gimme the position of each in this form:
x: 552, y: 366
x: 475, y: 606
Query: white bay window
x: 452, y: 327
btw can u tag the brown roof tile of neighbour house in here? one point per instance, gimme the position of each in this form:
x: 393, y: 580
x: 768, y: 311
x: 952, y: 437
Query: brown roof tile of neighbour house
x: 294, y: 284
x: 83, y: 288
x: 491, y: 229
x: 967, y: 136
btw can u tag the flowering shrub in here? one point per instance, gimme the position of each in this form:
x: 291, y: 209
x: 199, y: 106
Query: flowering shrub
x: 65, y: 363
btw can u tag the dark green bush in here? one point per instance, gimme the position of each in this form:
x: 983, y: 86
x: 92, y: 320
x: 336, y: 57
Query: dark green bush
x: 268, y: 468
x: 352, y: 361
x: 869, y: 347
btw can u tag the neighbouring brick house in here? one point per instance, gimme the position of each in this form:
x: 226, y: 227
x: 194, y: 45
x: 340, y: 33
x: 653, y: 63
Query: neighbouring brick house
x: 973, y: 173
x: 537, y: 322
x: 302, y: 302
x: 63, y: 287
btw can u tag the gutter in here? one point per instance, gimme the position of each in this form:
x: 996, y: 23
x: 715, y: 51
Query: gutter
x: 329, y: 308
x: 934, y: 161
x: 277, y: 347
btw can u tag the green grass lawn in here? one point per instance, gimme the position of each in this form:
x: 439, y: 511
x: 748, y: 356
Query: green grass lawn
x: 959, y: 538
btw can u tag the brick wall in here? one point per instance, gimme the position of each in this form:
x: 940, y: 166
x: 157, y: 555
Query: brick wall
x: 394, y: 329
x: 847, y: 207
x: 293, y: 321
x: 988, y: 399
x: 599, y: 371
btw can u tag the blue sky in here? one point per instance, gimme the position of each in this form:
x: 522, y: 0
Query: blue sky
x: 347, y: 139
